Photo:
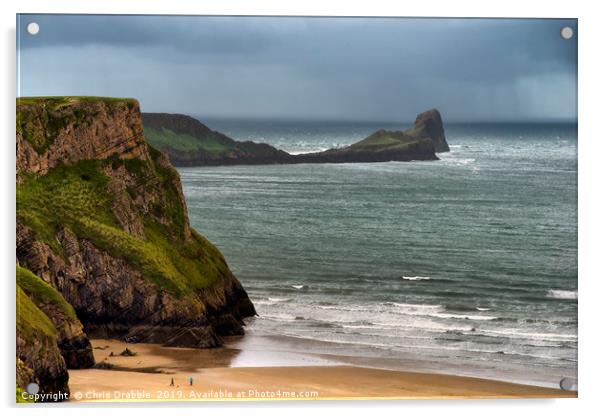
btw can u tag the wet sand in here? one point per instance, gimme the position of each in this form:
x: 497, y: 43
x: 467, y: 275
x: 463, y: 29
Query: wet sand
x: 148, y: 376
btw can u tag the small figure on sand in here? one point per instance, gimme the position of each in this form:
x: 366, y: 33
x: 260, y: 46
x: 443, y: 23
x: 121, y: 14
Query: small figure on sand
x: 190, y: 381
x: 172, y: 382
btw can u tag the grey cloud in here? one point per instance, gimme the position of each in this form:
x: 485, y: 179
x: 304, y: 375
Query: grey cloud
x: 308, y: 67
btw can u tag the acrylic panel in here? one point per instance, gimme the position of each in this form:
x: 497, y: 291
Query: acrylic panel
x: 295, y: 208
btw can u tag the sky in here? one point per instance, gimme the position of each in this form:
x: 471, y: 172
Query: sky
x: 362, y: 69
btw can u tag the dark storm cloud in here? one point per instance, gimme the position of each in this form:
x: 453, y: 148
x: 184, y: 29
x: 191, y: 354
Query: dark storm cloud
x: 179, y: 33
x: 366, y: 68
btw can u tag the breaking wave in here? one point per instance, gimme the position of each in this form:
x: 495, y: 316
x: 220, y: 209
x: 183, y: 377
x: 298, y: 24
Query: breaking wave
x: 562, y: 294
x: 415, y: 278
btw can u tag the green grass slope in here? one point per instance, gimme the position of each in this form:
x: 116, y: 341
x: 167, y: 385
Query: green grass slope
x: 31, y: 321
x: 37, y: 350
x: 42, y: 293
x: 166, y: 138
x: 383, y: 141
x: 77, y: 197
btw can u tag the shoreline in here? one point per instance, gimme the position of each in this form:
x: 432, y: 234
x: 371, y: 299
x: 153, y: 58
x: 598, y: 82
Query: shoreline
x: 256, y: 344
x: 216, y: 376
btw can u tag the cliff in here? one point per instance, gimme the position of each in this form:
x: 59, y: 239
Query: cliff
x: 102, y: 219
x: 188, y: 142
x: 62, y: 130
x: 72, y: 342
x: 429, y: 125
x: 39, y: 358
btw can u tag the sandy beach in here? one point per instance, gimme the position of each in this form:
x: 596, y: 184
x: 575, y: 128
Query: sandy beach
x: 207, y: 375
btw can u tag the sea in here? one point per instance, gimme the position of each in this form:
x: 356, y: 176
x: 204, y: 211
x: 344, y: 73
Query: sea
x: 466, y: 265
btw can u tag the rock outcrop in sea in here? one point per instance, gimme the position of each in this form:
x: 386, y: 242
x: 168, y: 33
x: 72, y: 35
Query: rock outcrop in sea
x: 188, y: 142
x: 104, y: 244
x: 430, y: 125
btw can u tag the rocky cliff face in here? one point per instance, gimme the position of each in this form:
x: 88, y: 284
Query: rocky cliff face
x: 188, y: 142
x: 101, y: 217
x: 72, y: 342
x: 39, y: 358
x: 430, y: 125
x: 52, y: 132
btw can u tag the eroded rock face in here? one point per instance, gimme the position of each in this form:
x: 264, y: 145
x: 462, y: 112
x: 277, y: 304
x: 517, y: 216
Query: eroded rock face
x: 110, y: 296
x: 113, y: 299
x: 50, y: 338
x: 42, y: 364
x: 58, y: 132
x: 38, y: 356
x: 75, y: 346
x: 430, y: 125
x: 73, y: 343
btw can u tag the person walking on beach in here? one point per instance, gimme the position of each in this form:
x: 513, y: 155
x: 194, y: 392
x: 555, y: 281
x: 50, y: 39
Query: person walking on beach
x: 190, y: 381
x: 172, y: 382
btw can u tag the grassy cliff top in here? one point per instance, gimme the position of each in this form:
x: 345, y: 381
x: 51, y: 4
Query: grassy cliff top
x: 58, y: 101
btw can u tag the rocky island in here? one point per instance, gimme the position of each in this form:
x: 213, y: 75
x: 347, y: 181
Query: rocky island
x: 104, y: 244
x: 188, y: 142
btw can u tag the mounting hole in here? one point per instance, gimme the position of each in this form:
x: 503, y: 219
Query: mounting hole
x: 32, y: 388
x: 568, y: 384
x: 33, y: 28
x: 566, y: 32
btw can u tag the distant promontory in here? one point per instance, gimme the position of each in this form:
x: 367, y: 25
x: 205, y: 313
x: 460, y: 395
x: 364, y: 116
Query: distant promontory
x: 188, y: 142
